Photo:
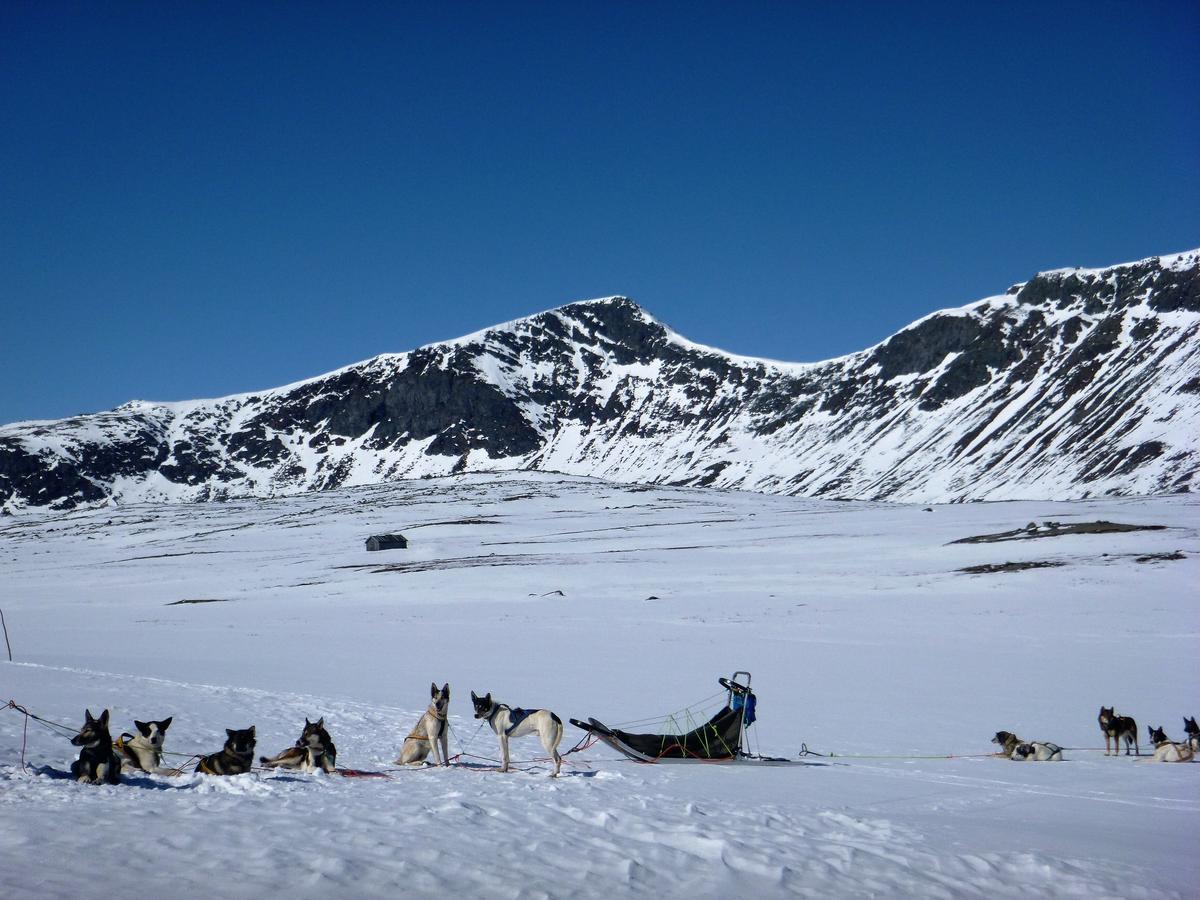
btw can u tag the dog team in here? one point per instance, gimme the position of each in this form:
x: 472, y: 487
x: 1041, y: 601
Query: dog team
x: 101, y: 759
x: 1115, y: 729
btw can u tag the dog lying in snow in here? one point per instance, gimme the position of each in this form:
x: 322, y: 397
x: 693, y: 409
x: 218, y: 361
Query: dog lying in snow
x: 145, y: 749
x: 509, y: 722
x: 430, y: 732
x: 235, y: 758
x: 1167, y: 750
x: 1008, y: 742
x: 1018, y: 750
x: 1037, y: 751
x: 313, y: 750
x: 97, y: 763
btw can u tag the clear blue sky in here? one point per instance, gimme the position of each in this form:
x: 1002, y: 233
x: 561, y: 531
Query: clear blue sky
x: 202, y: 199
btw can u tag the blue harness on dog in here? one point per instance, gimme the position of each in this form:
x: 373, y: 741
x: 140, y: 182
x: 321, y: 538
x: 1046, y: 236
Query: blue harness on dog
x: 517, y: 716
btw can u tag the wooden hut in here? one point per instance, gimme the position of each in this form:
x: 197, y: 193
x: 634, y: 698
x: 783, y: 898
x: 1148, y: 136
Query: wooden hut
x: 387, y: 542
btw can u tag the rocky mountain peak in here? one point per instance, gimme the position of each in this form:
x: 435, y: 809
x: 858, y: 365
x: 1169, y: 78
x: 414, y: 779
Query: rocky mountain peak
x: 1075, y: 383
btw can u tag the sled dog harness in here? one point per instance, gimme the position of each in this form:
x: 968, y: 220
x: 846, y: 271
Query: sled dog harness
x: 516, y: 717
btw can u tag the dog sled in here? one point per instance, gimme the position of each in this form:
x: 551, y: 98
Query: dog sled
x: 720, y: 739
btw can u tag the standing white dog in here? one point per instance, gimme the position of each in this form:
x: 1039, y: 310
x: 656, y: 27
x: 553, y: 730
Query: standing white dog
x: 509, y: 722
x: 431, y: 732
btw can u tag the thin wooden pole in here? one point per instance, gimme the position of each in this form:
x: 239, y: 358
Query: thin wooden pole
x: 5, y: 627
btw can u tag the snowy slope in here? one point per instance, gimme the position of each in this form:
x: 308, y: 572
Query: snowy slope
x: 617, y: 602
x: 1076, y: 383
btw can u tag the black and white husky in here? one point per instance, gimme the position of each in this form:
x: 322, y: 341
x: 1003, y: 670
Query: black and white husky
x: 313, y: 750
x: 1167, y: 750
x: 145, y: 749
x: 431, y: 732
x: 235, y: 758
x: 1026, y: 751
x: 97, y: 763
x: 1037, y: 751
x: 508, y: 722
x: 1192, y: 730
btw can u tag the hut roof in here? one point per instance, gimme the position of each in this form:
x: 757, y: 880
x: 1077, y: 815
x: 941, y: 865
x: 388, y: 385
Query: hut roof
x: 386, y: 541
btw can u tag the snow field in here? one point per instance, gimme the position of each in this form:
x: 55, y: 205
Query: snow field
x: 862, y: 637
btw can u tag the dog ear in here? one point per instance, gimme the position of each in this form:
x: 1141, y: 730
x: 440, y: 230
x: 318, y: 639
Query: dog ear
x: 446, y: 690
x: 320, y: 723
x: 251, y: 730
x: 143, y: 727
x: 473, y: 697
x: 488, y: 698
x: 165, y: 723
x: 229, y: 731
x: 306, y: 722
x: 433, y: 689
x: 87, y: 716
x: 103, y: 720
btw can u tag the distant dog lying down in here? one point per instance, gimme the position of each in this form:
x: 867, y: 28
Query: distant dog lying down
x: 1026, y: 751
x: 313, y: 751
x: 1167, y: 750
x: 145, y: 749
x: 1037, y: 751
x: 235, y: 758
x: 1008, y: 742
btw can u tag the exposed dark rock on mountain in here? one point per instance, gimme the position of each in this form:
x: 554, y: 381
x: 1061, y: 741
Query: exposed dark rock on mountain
x: 1075, y: 383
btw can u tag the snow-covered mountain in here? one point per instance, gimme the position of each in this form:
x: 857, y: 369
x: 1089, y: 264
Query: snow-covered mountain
x: 1076, y: 383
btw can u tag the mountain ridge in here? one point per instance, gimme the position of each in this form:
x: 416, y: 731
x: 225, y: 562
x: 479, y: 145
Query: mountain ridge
x: 1073, y: 383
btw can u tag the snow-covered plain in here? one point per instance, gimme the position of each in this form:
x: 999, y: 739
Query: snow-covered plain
x: 618, y: 602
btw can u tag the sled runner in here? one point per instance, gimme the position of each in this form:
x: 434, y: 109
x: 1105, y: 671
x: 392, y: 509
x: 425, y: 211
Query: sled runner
x: 719, y: 740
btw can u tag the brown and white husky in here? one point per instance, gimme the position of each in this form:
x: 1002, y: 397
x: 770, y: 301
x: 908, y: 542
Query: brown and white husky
x: 314, y: 750
x: 235, y: 758
x: 1116, y: 728
x: 431, y: 731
